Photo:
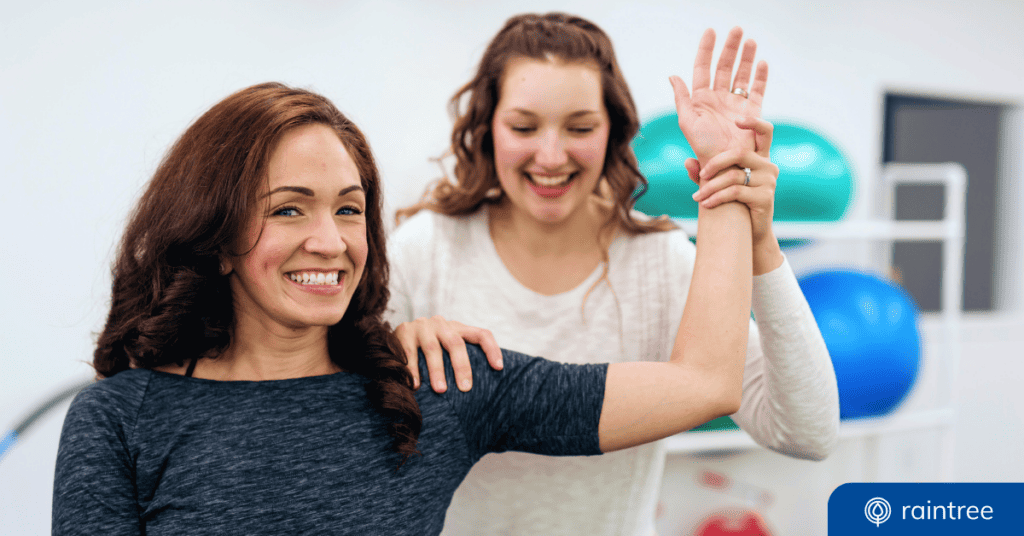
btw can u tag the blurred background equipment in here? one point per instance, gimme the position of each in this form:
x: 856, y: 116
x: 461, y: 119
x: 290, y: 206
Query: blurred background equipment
x: 10, y: 439
x: 816, y: 181
x: 870, y: 328
x: 736, y: 520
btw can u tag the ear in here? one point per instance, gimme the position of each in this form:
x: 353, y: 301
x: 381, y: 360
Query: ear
x: 225, y: 266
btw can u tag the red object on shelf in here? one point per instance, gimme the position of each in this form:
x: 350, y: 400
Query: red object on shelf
x: 745, y: 524
x: 715, y: 480
x: 755, y: 496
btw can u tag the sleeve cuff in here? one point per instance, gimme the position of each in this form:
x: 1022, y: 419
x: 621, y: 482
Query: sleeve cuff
x: 777, y: 293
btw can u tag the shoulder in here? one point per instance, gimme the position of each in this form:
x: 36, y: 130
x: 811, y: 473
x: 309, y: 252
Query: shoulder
x: 415, y: 225
x: 94, y: 475
x: 122, y: 388
x: 428, y: 233
x: 427, y: 225
x: 111, y: 402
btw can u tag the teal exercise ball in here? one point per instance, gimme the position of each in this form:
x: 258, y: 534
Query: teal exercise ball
x: 870, y: 328
x: 661, y: 151
x: 716, y: 425
x: 815, y: 182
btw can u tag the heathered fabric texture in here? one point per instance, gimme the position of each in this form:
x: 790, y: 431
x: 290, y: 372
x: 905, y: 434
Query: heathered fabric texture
x: 154, y: 453
x: 449, y: 266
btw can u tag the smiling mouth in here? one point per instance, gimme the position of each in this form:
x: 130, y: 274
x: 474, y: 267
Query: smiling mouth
x: 314, y: 278
x: 551, y: 181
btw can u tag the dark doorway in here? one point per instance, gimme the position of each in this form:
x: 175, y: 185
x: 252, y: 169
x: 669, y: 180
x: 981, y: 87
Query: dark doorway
x: 931, y: 130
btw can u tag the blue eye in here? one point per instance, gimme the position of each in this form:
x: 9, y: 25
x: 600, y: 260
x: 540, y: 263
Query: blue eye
x: 348, y: 211
x: 286, y: 211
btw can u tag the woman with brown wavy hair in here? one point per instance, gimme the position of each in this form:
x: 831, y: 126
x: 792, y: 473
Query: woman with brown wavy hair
x: 535, y: 239
x: 248, y: 384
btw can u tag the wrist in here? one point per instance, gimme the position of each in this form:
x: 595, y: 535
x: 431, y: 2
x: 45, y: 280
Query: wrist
x: 767, y: 254
x: 723, y: 172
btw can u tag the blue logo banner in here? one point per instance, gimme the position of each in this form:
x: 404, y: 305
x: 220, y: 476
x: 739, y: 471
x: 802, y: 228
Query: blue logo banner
x: 926, y: 508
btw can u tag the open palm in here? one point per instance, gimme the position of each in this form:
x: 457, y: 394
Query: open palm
x: 708, y: 116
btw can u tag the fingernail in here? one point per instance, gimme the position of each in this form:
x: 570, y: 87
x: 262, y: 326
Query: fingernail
x: 465, y: 385
x: 440, y: 386
x: 695, y: 195
x: 501, y: 363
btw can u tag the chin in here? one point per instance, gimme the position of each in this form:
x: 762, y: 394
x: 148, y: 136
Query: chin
x: 321, y: 318
x: 551, y: 217
x: 552, y: 212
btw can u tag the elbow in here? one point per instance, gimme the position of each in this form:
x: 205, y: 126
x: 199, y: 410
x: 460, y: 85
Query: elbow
x: 729, y: 399
x: 727, y: 390
x: 826, y: 440
x: 827, y: 444
x: 815, y: 444
x: 815, y: 451
x: 820, y: 456
x: 731, y: 406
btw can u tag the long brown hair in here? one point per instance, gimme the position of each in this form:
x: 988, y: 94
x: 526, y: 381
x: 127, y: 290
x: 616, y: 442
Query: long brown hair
x: 169, y: 301
x: 554, y: 35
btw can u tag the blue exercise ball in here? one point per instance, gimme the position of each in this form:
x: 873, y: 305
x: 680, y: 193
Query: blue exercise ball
x: 870, y: 328
x: 815, y: 178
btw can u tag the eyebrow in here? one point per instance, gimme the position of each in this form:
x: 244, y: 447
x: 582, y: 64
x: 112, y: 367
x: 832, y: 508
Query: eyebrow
x: 574, y: 114
x: 308, y: 192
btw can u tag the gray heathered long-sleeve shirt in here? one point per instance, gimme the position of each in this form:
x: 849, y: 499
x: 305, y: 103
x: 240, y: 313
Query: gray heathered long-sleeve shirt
x: 154, y: 453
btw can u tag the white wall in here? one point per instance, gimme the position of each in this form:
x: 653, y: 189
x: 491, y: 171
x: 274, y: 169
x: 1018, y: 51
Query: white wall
x: 92, y: 93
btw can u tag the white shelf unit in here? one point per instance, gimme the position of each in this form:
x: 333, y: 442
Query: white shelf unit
x: 885, y: 229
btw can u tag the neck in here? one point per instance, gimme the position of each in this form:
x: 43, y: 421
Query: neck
x: 270, y: 352
x: 577, y: 234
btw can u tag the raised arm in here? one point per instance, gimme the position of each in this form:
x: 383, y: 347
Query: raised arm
x: 704, y: 377
x: 790, y: 398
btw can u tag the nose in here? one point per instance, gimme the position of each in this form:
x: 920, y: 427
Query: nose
x: 324, y: 238
x: 551, y: 153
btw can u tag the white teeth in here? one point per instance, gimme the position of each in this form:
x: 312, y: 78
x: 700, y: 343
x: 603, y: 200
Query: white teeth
x: 552, y: 181
x: 314, y: 278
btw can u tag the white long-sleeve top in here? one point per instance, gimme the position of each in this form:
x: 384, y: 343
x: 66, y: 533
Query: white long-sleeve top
x: 448, y: 266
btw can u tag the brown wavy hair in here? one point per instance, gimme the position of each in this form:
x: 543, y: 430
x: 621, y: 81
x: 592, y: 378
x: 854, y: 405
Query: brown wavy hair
x: 553, y: 35
x: 169, y: 301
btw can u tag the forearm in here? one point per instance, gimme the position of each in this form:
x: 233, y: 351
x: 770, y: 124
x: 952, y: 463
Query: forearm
x: 704, y: 378
x: 790, y: 399
x: 712, y: 336
x: 647, y: 401
x: 767, y: 254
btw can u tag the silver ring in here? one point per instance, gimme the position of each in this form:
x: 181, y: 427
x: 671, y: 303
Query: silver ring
x: 741, y: 92
x: 746, y: 180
